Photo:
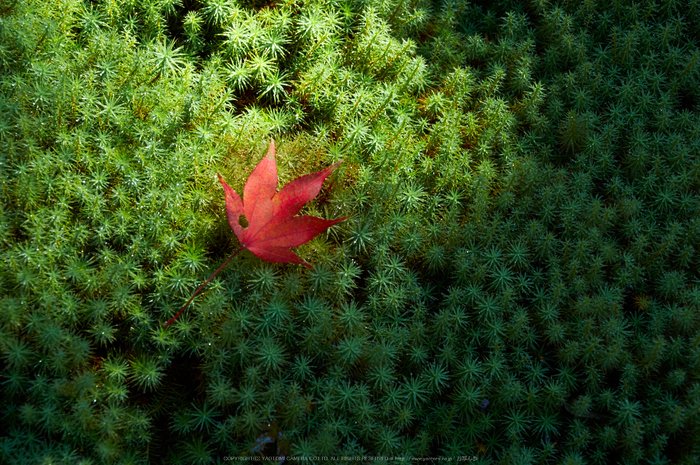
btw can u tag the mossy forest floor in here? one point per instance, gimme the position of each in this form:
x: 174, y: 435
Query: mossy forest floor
x: 518, y: 282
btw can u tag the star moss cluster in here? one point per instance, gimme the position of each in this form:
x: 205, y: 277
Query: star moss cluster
x: 518, y: 281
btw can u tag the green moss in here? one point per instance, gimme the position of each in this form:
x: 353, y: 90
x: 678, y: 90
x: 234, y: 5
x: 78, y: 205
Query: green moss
x: 518, y: 280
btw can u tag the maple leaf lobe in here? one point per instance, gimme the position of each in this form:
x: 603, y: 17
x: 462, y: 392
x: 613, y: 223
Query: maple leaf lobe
x: 272, y: 227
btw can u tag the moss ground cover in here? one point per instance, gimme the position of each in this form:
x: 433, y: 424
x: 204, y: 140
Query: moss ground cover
x: 518, y: 281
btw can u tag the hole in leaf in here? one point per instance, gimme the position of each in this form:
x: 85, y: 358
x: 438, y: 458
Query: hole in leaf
x: 243, y: 221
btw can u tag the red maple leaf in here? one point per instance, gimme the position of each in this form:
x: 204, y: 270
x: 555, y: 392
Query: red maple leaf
x: 272, y: 227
